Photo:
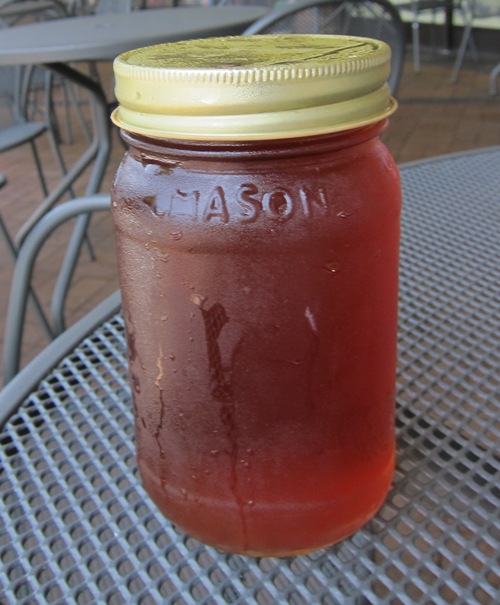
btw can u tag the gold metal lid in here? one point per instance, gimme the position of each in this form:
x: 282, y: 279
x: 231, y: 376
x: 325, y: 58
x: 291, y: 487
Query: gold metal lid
x: 253, y: 87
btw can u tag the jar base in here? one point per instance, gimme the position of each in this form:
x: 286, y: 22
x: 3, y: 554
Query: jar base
x: 273, y: 531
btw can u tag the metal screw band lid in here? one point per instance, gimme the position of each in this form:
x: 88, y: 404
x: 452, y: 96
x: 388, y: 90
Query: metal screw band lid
x: 253, y: 87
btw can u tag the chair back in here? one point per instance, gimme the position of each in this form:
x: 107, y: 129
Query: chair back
x: 369, y: 18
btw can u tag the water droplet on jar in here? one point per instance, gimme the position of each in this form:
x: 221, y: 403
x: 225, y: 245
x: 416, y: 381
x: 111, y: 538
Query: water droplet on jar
x: 214, y: 453
x: 331, y: 266
x: 344, y: 214
x: 136, y: 383
x: 176, y: 235
x: 164, y: 317
x: 198, y: 300
x: 294, y: 362
x: 250, y: 502
x: 172, y: 356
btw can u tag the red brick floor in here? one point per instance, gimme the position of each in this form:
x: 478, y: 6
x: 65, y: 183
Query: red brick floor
x: 434, y: 117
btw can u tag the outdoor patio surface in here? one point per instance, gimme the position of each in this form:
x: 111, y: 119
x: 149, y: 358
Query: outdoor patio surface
x: 434, y: 117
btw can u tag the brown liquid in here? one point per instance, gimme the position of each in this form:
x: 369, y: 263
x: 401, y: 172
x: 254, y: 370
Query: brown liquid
x: 259, y: 285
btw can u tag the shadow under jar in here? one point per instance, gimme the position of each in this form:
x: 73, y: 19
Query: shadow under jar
x: 257, y: 223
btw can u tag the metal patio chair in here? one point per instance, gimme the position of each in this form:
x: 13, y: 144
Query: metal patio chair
x: 22, y: 292
x: 370, y: 18
x: 415, y: 11
x: 20, y: 129
x: 472, y: 10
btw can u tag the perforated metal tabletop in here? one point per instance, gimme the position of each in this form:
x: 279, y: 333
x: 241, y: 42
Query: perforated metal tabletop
x: 77, y: 527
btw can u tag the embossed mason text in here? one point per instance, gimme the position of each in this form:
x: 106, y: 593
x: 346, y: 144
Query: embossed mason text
x: 246, y: 203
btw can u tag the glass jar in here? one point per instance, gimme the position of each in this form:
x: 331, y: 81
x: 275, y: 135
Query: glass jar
x: 257, y: 223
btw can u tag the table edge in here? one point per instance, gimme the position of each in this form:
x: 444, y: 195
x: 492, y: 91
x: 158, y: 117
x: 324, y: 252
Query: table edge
x: 19, y: 388
x: 449, y: 156
x: 76, y: 51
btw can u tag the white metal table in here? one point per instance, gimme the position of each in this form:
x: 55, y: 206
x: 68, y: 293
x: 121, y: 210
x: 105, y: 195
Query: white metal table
x: 77, y: 527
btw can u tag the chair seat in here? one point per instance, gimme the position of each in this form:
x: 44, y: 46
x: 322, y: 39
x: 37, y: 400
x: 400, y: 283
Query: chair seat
x: 17, y: 134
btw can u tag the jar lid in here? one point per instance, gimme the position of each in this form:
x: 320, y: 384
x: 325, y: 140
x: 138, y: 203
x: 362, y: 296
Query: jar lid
x: 253, y: 87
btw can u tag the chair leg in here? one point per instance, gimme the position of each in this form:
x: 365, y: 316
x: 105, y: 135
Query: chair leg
x: 32, y: 297
x: 8, y: 240
x: 41, y: 177
x: 415, y: 31
x: 55, y: 146
x: 67, y: 270
x: 467, y: 40
x: 77, y: 101
x: 54, y: 133
x: 461, y: 53
x: 495, y: 72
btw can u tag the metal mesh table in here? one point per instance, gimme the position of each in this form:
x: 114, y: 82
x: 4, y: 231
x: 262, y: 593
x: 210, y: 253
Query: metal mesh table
x: 77, y: 527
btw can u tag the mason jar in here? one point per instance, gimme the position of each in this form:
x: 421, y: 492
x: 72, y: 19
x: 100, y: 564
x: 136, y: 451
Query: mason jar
x: 257, y: 224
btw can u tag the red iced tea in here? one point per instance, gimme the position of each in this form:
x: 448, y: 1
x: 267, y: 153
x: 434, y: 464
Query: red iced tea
x: 259, y: 284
